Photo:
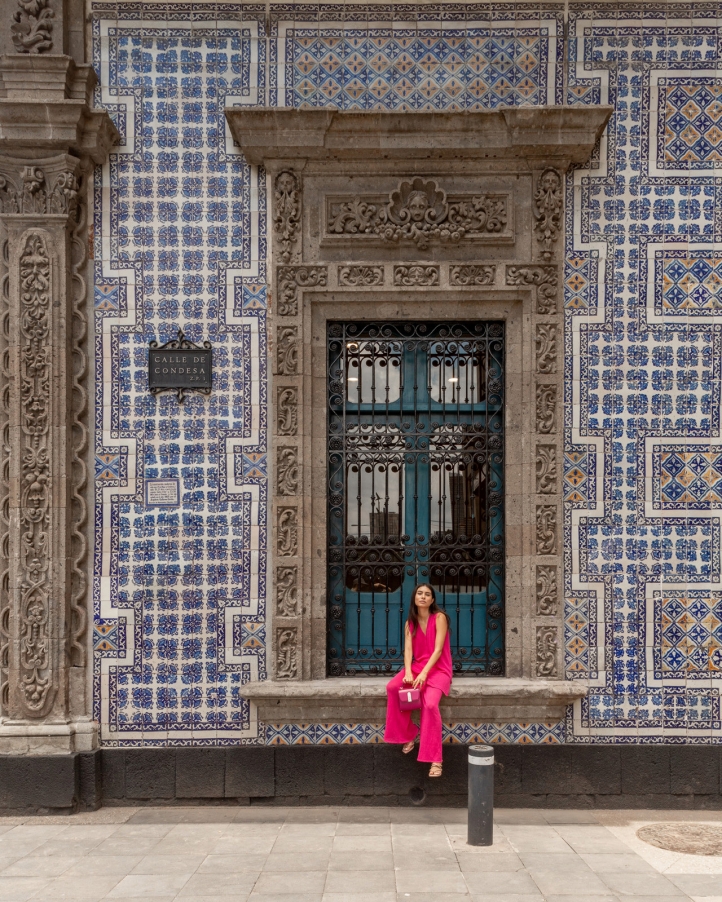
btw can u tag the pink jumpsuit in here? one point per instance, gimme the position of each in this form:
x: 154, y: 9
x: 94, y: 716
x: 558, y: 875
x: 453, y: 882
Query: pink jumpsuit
x: 399, y: 726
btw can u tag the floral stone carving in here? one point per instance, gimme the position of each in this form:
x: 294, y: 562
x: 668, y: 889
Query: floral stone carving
x: 287, y: 212
x: 419, y: 211
x: 32, y: 28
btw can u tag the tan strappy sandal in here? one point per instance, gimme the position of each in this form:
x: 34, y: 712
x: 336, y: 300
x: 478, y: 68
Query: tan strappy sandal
x: 435, y: 770
x: 409, y: 747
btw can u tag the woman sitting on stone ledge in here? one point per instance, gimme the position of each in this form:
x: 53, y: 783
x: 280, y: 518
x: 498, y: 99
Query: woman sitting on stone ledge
x: 427, y: 667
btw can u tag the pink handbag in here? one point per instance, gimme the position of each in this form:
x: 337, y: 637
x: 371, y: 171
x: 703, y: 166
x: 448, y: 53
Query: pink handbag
x: 409, y: 699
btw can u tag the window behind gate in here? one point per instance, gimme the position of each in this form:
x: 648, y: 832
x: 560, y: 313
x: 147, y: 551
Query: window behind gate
x: 415, y: 470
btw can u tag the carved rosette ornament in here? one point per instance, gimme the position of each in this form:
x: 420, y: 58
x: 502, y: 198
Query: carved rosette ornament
x: 286, y: 213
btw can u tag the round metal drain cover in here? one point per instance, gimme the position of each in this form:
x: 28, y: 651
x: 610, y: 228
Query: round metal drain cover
x: 693, y: 839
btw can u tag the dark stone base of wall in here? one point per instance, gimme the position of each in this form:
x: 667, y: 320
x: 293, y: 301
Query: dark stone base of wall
x: 603, y: 776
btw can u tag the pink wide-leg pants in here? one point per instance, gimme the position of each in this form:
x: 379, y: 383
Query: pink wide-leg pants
x: 400, y: 727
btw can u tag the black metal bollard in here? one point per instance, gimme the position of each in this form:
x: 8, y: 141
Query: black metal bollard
x: 481, y: 796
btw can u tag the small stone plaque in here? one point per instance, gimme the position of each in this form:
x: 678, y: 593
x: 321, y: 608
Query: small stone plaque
x: 162, y: 492
x: 180, y: 366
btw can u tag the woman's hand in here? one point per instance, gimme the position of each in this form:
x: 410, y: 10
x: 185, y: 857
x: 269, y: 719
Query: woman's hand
x: 420, y: 680
x: 408, y: 677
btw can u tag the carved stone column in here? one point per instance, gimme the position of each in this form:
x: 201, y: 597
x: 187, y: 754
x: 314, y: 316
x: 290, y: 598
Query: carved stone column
x: 49, y: 139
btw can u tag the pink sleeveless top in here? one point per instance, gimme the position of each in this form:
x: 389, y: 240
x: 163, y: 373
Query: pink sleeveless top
x: 423, y: 647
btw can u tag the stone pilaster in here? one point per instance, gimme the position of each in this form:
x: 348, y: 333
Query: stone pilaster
x: 49, y: 139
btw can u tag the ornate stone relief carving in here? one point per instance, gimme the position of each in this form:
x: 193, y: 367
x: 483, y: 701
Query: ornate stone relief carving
x: 287, y: 471
x: 546, y: 590
x: 546, y: 529
x: 416, y: 276
x: 32, y: 28
x: 5, y: 481
x: 360, y: 276
x: 546, y: 469
x: 546, y: 651
x: 546, y: 406
x: 29, y: 192
x: 546, y: 279
x: 37, y: 678
x: 546, y: 348
x: 79, y: 539
x: 286, y: 591
x: 287, y: 531
x: 287, y: 653
x: 472, y: 274
x: 287, y: 411
x: 419, y: 211
x: 287, y: 350
x: 290, y: 279
x: 548, y: 201
x: 286, y: 213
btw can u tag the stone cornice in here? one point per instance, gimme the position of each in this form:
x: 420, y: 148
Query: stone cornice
x: 519, y: 138
x: 46, y: 105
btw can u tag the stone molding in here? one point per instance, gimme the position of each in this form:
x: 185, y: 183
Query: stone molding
x: 555, y: 135
x: 493, y: 699
x: 50, y: 137
x: 377, y: 196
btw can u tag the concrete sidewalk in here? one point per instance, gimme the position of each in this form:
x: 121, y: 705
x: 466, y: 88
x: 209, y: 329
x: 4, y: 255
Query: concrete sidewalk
x: 347, y: 855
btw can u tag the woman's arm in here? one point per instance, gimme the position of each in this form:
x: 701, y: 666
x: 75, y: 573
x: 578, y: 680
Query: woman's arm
x: 442, y: 628
x: 408, y: 655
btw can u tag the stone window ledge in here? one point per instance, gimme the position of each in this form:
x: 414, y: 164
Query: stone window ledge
x: 497, y: 700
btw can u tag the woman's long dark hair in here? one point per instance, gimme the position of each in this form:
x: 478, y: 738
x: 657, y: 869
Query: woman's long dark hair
x: 433, y: 609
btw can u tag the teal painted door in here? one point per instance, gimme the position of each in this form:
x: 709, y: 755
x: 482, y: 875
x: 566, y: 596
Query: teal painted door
x: 415, y: 488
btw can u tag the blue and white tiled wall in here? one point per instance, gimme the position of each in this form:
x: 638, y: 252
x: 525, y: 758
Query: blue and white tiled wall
x: 180, y: 241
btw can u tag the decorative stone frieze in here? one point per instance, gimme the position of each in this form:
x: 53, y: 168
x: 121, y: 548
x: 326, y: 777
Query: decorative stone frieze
x: 32, y: 28
x: 546, y: 469
x: 287, y: 653
x: 287, y: 544
x: 286, y: 213
x: 290, y: 279
x: 546, y: 590
x: 546, y: 651
x: 546, y: 408
x: 50, y: 138
x: 546, y: 529
x: 546, y: 348
x: 548, y: 206
x: 287, y: 471
x: 416, y: 276
x: 287, y: 591
x: 472, y: 274
x: 287, y: 411
x: 360, y: 276
x: 545, y: 278
x: 419, y: 211
x: 287, y: 350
